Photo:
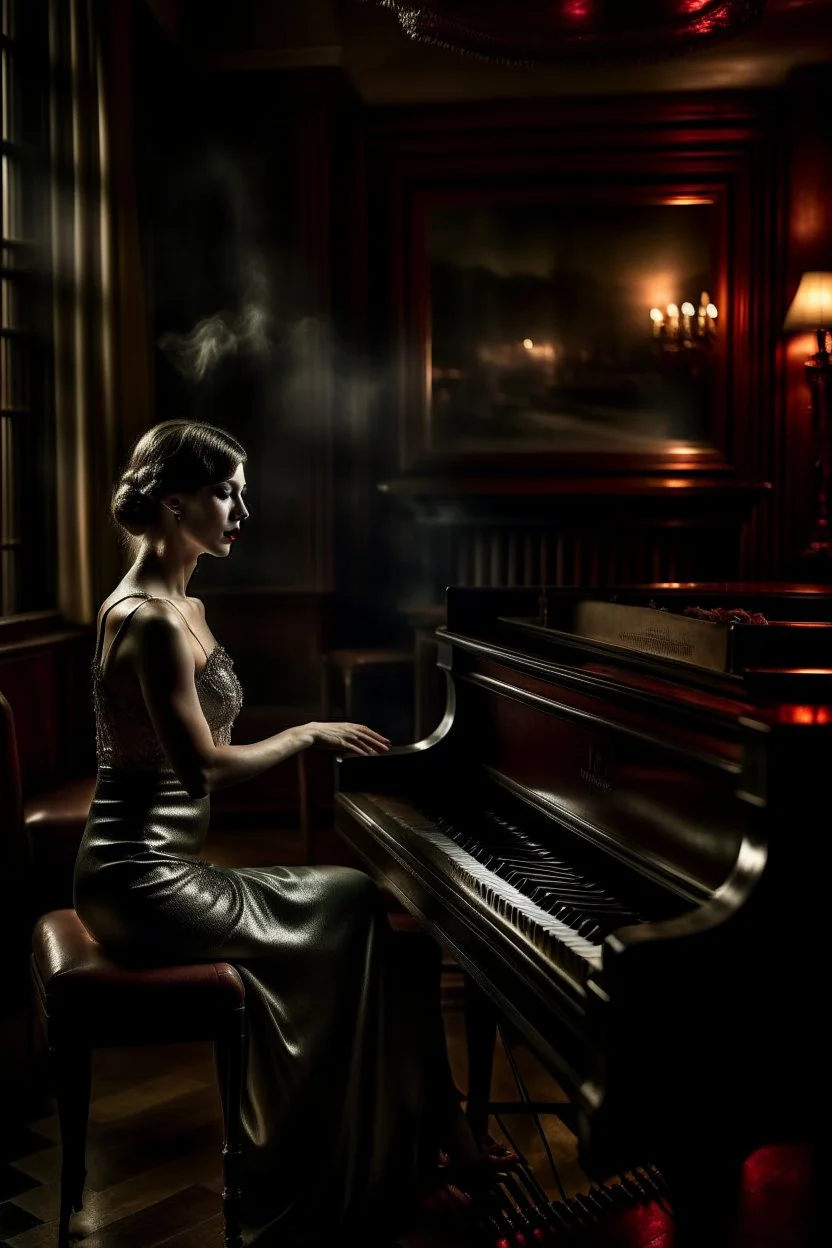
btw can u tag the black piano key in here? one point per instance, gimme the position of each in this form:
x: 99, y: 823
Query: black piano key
x: 539, y: 874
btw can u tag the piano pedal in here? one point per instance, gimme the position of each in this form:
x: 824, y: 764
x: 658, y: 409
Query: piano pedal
x: 620, y: 1198
x: 481, y: 1222
x: 490, y: 1234
x: 529, y: 1218
x: 657, y: 1178
x: 563, y: 1215
x: 587, y: 1211
x: 527, y: 1177
x: 515, y: 1227
x: 534, y: 1216
x: 549, y: 1214
x: 616, y: 1197
x: 499, y: 1230
x: 597, y: 1197
x: 637, y: 1191
x: 656, y: 1185
x: 522, y: 1197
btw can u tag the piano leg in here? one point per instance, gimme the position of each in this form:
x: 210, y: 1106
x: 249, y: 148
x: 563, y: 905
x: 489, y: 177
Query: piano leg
x: 480, y: 1039
x: 705, y: 1186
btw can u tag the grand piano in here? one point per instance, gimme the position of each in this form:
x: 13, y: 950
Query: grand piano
x: 616, y: 830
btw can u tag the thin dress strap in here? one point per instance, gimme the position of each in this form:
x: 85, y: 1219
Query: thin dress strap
x: 123, y: 625
x: 187, y: 625
x: 102, y: 624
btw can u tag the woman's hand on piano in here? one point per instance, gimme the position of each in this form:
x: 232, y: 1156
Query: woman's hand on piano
x: 350, y: 738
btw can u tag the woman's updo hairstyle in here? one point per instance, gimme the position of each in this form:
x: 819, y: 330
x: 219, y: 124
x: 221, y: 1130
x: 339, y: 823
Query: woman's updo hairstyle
x: 177, y: 456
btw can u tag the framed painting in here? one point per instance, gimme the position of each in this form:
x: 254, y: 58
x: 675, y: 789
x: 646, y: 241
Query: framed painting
x: 569, y: 326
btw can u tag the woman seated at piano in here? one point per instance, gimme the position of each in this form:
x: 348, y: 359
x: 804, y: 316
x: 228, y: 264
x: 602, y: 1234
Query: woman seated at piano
x: 349, y: 1100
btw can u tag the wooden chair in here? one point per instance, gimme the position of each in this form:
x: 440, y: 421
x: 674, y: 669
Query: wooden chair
x: 42, y: 830
x: 344, y: 667
x: 86, y: 1000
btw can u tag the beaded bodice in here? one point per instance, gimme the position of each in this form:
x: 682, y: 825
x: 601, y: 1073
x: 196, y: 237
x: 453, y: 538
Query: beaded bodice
x: 125, y: 738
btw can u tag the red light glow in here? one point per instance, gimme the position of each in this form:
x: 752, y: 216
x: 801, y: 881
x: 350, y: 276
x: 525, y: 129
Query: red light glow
x: 804, y: 715
x: 682, y: 201
x: 577, y: 10
x: 545, y: 32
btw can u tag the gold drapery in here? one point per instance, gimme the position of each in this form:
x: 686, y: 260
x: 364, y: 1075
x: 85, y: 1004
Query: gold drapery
x: 101, y: 355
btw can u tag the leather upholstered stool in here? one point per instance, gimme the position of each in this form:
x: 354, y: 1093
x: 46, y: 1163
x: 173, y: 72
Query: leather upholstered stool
x: 86, y: 1000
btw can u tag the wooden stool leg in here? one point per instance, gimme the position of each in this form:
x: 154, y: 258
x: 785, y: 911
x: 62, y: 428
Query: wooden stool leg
x: 230, y: 1060
x: 72, y: 1069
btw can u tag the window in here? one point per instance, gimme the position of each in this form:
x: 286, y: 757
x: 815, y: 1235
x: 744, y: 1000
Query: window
x: 26, y: 436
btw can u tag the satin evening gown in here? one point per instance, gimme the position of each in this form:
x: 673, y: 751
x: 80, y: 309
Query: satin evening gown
x: 343, y: 1015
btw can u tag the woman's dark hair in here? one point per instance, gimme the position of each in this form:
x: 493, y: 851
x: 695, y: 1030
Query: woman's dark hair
x: 177, y: 455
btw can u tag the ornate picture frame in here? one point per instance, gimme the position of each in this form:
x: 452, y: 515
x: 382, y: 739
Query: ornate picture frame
x: 531, y: 338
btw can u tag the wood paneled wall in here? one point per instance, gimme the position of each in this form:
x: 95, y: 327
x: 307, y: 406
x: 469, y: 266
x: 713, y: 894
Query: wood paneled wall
x: 345, y: 181
x: 515, y: 519
x: 276, y: 638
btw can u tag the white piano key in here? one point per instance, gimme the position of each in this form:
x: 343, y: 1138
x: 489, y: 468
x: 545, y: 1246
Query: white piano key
x: 550, y: 936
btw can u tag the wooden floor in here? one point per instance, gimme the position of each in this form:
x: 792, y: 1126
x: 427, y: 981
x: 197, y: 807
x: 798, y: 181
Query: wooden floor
x: 154, y: 1164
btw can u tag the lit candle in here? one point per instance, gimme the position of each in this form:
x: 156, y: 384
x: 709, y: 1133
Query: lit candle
x: 657, y: 318
x: 687, y: 313
x: 673, y: 319
x: 704, y: 300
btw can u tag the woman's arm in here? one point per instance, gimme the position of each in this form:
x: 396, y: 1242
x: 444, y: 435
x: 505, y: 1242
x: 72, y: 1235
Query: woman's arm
x: 162, y: 653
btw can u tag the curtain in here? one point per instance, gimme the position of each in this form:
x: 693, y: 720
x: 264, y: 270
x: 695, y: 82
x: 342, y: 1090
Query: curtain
x: 100, y: 338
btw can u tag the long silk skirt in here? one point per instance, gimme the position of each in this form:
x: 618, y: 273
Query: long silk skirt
x: 343, y: 1016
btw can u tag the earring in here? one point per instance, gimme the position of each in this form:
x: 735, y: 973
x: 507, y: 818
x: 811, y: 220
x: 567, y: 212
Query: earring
x: 177, y: 515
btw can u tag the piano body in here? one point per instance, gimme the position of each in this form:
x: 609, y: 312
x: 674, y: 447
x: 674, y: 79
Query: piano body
x: 615, y: 830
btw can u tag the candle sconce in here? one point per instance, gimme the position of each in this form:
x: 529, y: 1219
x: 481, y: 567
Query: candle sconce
x: 682, y: 328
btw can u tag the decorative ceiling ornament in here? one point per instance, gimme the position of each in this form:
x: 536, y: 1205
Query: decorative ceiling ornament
x: 540, y: 31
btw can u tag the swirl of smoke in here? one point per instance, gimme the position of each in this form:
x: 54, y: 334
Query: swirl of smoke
x: 197, y: 353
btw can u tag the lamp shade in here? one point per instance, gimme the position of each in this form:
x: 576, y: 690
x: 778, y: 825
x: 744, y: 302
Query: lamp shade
x: 812, y: 305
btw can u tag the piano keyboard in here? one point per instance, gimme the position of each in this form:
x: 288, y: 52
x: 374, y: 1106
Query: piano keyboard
x: 562, y: 914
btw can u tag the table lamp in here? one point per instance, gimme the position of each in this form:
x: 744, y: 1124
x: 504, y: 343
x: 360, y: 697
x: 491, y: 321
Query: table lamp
x: 811, y: 311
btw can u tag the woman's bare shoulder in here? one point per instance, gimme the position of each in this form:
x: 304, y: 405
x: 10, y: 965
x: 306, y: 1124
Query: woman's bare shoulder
x: 158, y: 635
x: 119, y: 603
x: 141, y: 632
x: 157, y: 618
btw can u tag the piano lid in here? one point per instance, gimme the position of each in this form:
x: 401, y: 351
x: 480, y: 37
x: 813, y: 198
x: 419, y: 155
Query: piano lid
x: 762, y: 635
